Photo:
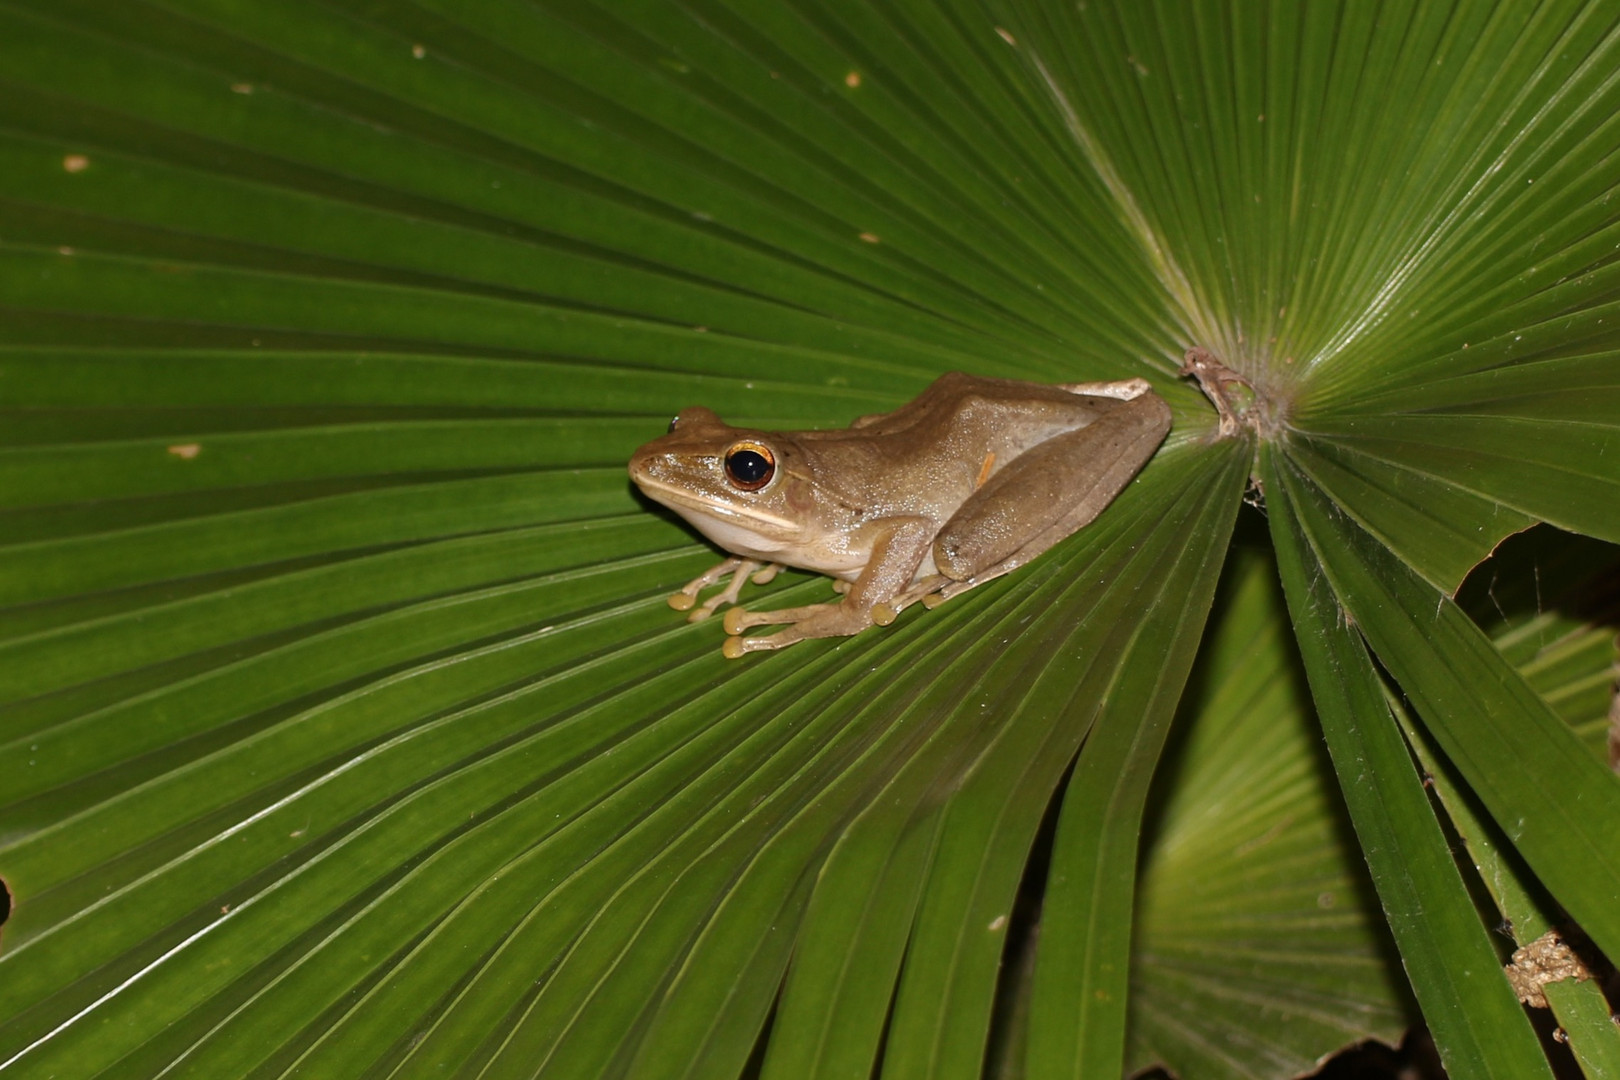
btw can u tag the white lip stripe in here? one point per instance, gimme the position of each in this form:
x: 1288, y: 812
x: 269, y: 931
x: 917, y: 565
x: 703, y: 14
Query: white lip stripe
x: 754, y: 517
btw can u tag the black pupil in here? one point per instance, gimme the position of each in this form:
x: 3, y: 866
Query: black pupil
x: 748, y: 466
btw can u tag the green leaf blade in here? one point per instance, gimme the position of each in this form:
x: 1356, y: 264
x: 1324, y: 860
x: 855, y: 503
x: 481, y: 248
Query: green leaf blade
x: 1478, y: 1025
x: 1258, y: 943
x: 1077, y: 1008
x: 1505, y: 739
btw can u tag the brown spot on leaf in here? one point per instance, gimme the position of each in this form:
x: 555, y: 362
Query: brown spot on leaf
x: 186, y: 451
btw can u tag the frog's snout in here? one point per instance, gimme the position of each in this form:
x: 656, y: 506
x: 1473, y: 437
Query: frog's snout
x: 638, y: 465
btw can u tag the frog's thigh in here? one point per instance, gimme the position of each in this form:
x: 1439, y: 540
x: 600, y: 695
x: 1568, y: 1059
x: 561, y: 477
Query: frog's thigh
x: 1050, y: 491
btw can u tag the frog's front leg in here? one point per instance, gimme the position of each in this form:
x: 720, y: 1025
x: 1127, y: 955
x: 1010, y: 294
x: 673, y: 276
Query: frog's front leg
x: 897, y: 551
x: 738, y: 568
x: 1047, y: 493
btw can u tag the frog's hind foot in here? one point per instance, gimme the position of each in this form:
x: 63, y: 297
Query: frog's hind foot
x: 925, y: 589
x: 957, y: 588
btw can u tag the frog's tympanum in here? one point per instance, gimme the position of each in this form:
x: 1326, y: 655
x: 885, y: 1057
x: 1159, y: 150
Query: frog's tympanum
x: 974, y: 478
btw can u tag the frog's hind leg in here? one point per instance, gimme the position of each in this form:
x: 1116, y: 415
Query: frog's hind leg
x: 1046, y: 494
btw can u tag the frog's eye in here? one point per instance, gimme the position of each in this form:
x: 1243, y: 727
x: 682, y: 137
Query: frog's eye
x: 750, y: 465
x: 674, y: 421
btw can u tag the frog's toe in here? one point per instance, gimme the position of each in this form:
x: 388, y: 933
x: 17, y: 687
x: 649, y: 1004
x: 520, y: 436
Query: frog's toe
x: 923, y: 590
x: 735, y: 645
x: 955, y: 588
x: 681, y: 601
x: 740, y: 619
x: 761, y: 642
x: 709, y: 606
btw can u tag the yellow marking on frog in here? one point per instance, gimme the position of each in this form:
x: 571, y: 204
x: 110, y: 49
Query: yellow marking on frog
x: 984, y: 470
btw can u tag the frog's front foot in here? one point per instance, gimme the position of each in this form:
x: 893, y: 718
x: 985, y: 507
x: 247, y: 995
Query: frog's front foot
x: 738, y: 568
x: 810, y: 621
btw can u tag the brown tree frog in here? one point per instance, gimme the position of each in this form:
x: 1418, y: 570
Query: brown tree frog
x: 973, y: 479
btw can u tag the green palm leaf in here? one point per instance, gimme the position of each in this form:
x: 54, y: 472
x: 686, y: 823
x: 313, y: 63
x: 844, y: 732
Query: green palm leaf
x: 345, y: 730
x: 1256, y: 943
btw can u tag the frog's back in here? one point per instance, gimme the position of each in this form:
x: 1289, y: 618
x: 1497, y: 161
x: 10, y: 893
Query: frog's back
x: 936, y: 450
x: 960, y: 411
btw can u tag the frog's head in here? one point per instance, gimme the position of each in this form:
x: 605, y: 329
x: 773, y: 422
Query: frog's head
x: 744, y: 489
